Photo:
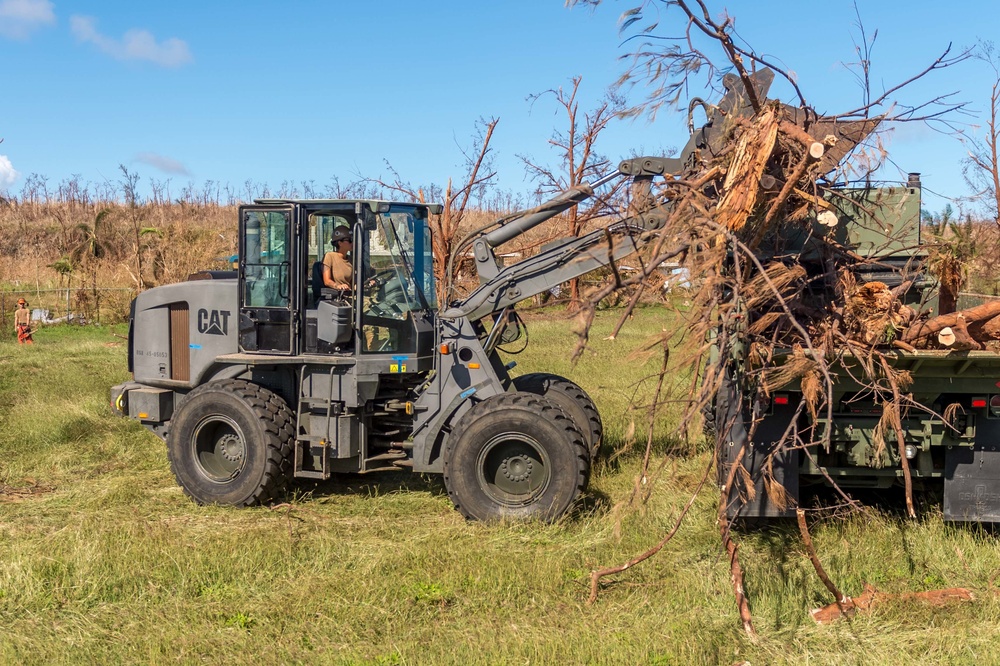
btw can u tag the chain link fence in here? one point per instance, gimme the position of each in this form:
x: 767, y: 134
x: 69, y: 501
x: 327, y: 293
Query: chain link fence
x: 89, y: 305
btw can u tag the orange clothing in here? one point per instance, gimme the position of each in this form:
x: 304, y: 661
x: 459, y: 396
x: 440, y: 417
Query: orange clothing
x: 22, y: 324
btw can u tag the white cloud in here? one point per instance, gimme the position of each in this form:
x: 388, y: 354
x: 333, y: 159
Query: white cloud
x: 18, y: 18
x: 7, y: 173
x: 134, y: 44
x: 164, y: 164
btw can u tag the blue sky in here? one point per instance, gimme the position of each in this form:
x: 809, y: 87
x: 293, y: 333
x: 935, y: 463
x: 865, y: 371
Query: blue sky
x: 307, y: 91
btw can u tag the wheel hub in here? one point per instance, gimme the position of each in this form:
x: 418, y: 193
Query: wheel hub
x: 219, y: 448
x: 513, y: 469
x: 231, y: 448
x: 517, y: 468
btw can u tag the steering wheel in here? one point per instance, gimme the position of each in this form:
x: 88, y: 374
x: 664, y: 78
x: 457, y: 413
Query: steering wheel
x: 379, y: 280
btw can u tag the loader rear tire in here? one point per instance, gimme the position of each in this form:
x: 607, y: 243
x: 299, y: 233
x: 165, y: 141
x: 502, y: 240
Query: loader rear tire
x: 515, y: 455
x: 572, y: 399
x: 230, y: 443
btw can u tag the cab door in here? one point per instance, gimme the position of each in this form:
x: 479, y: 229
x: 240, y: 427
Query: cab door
x: 268, y: 297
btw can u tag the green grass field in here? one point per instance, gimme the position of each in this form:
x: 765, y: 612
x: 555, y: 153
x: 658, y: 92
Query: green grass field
x: 104, y: 560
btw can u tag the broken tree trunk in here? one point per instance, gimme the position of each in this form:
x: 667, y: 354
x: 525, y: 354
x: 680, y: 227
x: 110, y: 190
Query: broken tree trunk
x: 933, y: 326
x: 742, y: 184
x: 815, y: 148
x: 986, y: 330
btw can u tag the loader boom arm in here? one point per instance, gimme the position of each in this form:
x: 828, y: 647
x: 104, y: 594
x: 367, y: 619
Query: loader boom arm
x: 560, y: 260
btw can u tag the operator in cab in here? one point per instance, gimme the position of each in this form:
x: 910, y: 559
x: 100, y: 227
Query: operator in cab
x: 337, y: 270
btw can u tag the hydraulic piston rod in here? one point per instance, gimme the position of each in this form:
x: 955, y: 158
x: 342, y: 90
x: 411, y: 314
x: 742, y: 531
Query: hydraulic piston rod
x: 549, y: 209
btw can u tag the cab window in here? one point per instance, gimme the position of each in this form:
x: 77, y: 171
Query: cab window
x: 266, y: 261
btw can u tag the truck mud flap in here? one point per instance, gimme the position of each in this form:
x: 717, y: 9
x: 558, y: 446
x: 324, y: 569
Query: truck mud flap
x: 972, y: 478
x: 731, y: 421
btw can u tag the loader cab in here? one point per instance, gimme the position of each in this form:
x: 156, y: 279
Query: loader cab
x: 390, y: 309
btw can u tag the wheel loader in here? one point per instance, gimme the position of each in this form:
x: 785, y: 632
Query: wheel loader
x: 259, y: 376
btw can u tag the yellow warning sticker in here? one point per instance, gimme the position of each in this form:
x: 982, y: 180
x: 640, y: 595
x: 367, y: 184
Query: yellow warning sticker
x: 397, y: 367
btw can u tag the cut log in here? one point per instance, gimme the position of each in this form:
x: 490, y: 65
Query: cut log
x: 991, y: 328
x: 828, y: 218
x: 971, y: 316
x: 957, y: 337
x: 812, y: 146
x: 963, y: 340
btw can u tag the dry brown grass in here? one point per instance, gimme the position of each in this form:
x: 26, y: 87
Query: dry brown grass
x: 49, y: 244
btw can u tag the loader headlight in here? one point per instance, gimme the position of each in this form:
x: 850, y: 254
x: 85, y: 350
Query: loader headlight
x: 910, y: 451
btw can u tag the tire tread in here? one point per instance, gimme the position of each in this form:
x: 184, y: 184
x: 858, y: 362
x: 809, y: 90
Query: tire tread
x: 538, y: 407
x: 541, y: 383
x: 278, y: 423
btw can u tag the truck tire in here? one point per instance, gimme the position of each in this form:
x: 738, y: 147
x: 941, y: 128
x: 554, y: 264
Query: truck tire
x: 572, y: 399
x: 230, y: 443
x: 515, y: 455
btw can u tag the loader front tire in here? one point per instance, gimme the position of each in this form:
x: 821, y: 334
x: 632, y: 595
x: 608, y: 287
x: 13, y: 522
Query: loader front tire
x: 515, y: 455
x: 230, y: 443
x: 572, y: 399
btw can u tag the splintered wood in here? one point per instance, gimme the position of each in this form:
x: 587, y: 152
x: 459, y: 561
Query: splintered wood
x: 869, y: 597
x: 742, y: 184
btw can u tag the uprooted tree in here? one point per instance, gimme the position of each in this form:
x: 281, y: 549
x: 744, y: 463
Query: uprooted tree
x: 751, y: 207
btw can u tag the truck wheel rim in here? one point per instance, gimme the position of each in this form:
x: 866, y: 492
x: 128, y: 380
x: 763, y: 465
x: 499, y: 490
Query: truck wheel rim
x: 219, y: 448
x: 513, y: 469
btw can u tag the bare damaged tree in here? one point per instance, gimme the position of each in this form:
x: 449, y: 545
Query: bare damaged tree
x: 579, y: 161
x: 445, y: 227
x: 134, y: 212
x: 982, y: 166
